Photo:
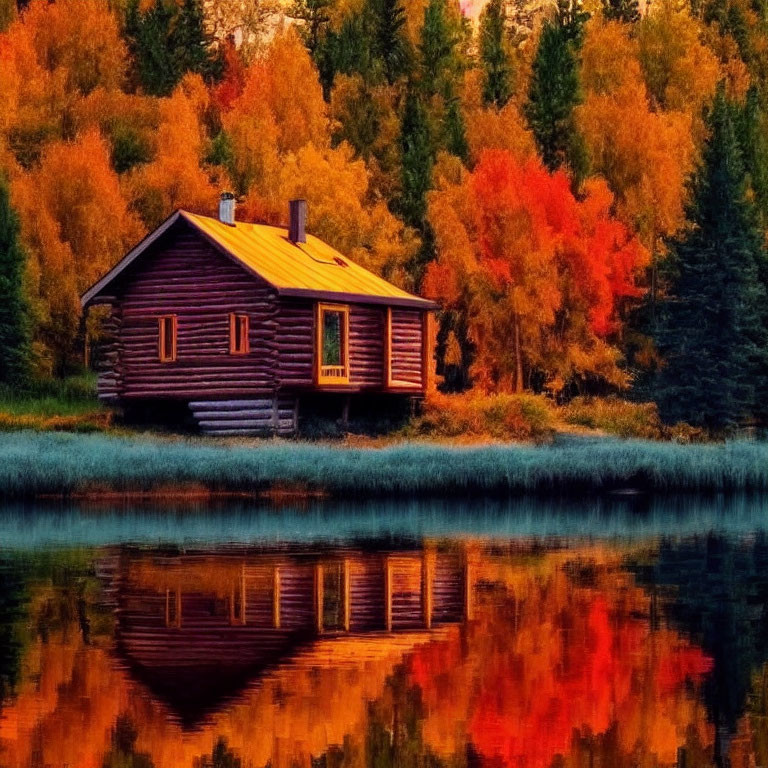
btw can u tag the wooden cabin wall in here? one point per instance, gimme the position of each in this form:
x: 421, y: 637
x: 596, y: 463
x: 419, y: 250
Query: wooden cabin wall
x: 188, y: 278
x: 366, y: 345
x: 295, y: 343
x: 407, y: 346
x: 109, y: 368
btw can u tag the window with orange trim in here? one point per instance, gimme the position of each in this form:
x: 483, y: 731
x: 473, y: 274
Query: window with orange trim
x: 166, y: 339
x: 239, y: 326
x: 332, y: 344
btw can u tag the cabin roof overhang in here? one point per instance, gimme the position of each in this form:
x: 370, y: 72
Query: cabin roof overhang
x: 363, y: 286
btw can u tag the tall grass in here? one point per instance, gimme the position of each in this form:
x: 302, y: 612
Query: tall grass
x: 54, y: 404
x: 32, y: 464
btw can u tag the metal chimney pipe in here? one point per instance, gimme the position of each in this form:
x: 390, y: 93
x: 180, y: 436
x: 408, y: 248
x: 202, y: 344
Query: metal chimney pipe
x: 227, y: 208
x: 297, y: 229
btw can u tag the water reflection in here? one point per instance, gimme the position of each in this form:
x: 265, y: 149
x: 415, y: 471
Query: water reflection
x: 387, y: 651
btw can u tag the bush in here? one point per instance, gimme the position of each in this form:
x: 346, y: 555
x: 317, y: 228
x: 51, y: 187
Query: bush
x: 474, y: 415
x: 614, y: 416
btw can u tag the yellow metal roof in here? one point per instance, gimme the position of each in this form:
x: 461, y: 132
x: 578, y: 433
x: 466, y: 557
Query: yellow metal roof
x: 311, y: 268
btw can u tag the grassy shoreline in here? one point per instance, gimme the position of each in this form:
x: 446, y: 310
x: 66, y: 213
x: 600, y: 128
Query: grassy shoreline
x: 36, y: 464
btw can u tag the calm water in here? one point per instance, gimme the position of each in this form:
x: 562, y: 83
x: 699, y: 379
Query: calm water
x: 606, y: 632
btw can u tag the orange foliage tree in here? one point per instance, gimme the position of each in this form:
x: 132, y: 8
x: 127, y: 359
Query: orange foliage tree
x: 175, y: 177
x: 52, y: 55
x: 75, y: 224
x: 537, y: 274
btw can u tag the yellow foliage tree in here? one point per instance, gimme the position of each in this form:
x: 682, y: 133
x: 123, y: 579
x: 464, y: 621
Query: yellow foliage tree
x: 75, y: 225
x: 680, y: 71
x: 645, y: 155
x: 341, y: 209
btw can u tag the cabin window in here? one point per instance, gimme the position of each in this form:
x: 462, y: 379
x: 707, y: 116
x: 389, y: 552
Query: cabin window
x: 238, y: 335
x: 332, y: 344
x: 167, y: 338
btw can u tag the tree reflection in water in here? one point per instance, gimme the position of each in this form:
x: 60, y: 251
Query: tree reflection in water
x: 437, y: 653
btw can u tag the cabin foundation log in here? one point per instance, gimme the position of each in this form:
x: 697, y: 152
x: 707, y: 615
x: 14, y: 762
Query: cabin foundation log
x: 244, y: 418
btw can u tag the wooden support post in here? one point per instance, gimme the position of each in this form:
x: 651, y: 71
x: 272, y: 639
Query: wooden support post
x: 319, y: 597
x: 167, y: 607
x: 468, y: 603
x: 345, y: 413
x: 388, y: 594
x: 276, y: 597
x: 178, y: 607
x: 243, y: 601
x: 347, y: 596
x: 427, y: 577
x: 232, y: 612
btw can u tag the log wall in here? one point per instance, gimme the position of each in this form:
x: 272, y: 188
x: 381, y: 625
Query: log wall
x: 407, y: 347
x: 188, y: 278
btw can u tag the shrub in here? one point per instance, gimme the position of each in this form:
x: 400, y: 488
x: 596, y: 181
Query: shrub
x: 474, y: 415
x: 615, y: 416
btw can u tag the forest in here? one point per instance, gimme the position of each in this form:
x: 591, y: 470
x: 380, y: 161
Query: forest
x: 583, y: 187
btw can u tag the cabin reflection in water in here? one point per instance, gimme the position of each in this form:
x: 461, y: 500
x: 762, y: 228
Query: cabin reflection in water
x: 197, y: 628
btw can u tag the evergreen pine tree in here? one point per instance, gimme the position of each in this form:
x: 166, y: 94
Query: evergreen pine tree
x: 14, y: 341
x: 315, y: 15
x: 752, y: 127
x: 712, y: 330
x: 389, y: 43
x: 555, y: 90
x: 416, y: 147
x: 455, y: 131
x: 438, y: 59
x: 167, y: 41
x: 441, y: 68
x: 148, y: 36
x: 625, y: 11
x: 495, y: 55
x: 190, y: 45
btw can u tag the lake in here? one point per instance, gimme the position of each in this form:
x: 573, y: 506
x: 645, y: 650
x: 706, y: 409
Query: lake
x: 617, y: 630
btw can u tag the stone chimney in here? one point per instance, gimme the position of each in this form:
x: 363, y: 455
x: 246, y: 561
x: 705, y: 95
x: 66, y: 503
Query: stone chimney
x: 297, y: 229
x: 227, y: 208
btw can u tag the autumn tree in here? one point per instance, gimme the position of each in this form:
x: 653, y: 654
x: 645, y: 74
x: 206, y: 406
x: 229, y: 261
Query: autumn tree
x: 174, y: 178
x: 14, y: 342
x: 555, y: 91
x: 681, y: 73
x: 53, y: 55
x: 343, y: 209
x: 713, y: 335
x: 495, y: 54
x: 75, y: 226
x: 536, y: 274
x: 645, y: 155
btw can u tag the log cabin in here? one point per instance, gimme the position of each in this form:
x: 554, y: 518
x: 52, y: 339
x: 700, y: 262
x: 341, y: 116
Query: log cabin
x: 248, y: 325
